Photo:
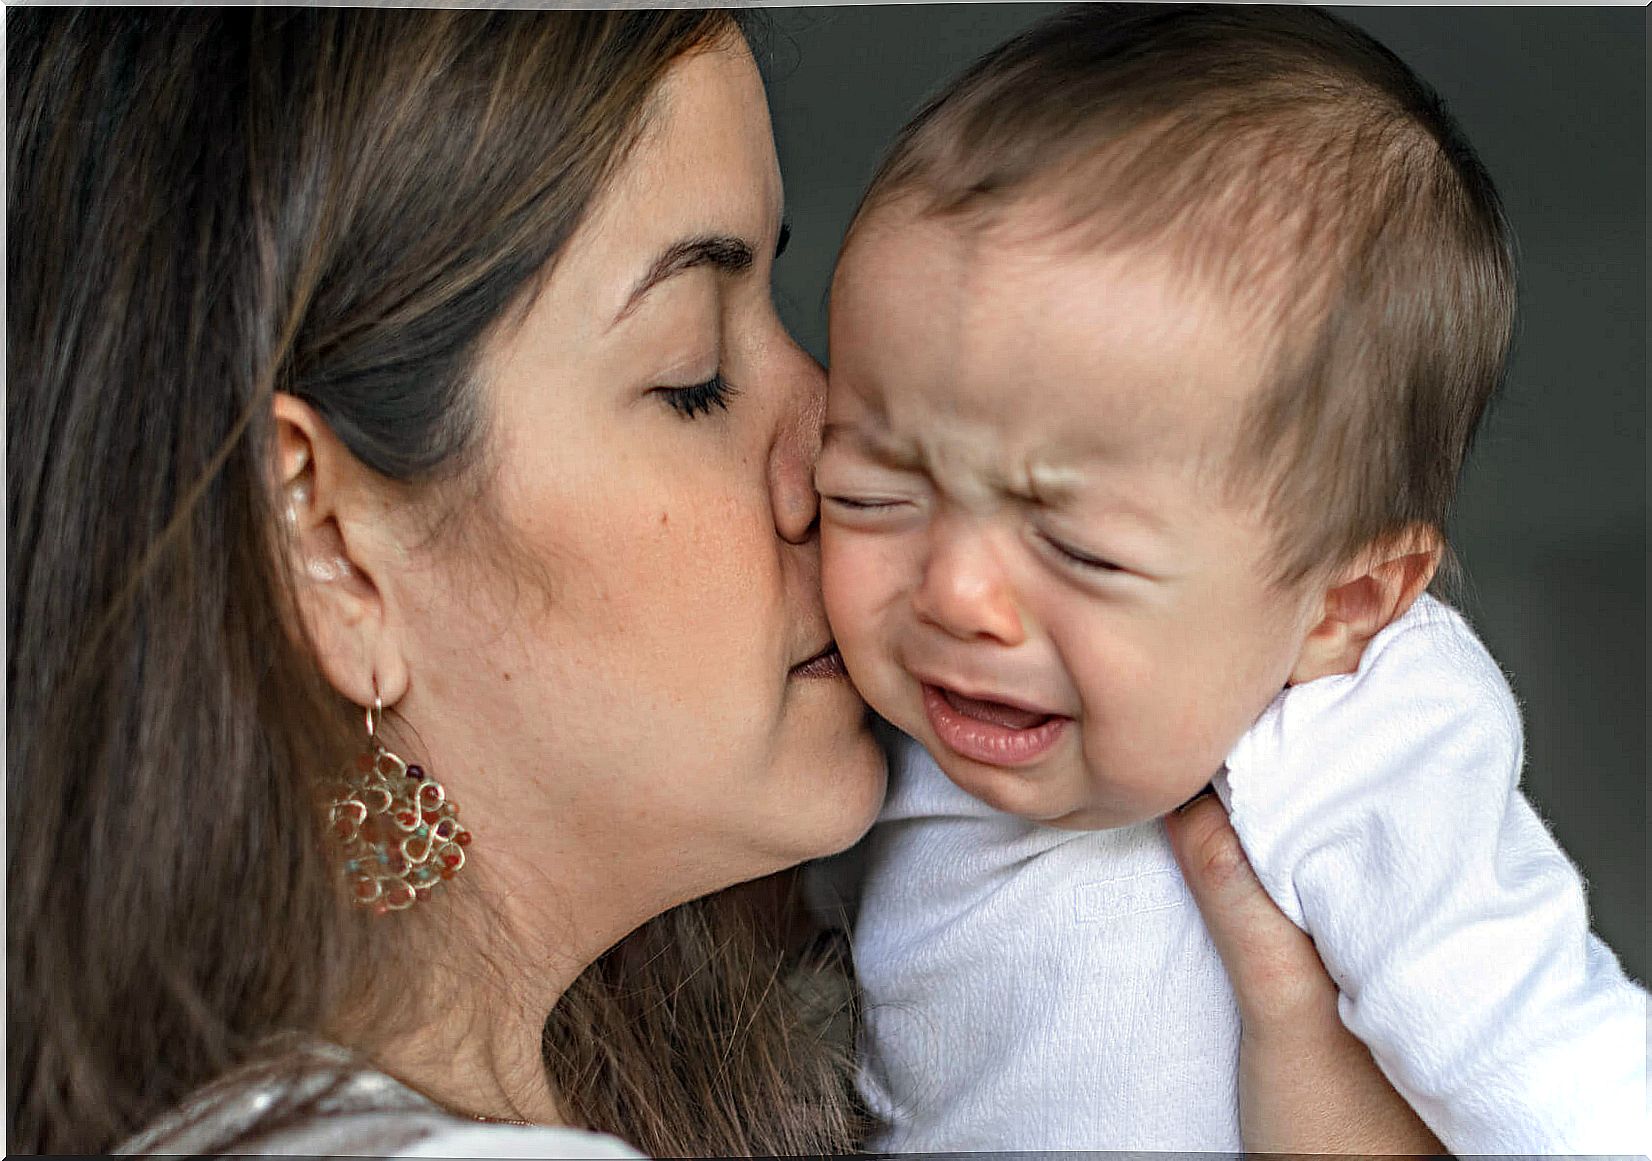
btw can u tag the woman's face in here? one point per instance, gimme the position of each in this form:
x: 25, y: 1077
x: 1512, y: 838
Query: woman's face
x: 619, y: 697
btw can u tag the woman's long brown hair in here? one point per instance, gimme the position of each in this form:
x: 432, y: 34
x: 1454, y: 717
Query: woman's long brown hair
x: 205, y: 207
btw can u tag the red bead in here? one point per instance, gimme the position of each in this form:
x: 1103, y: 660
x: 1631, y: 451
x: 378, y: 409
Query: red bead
x: 462, y: 838
x: 447, y: 872
x: 431, y: 816
x: 452, y: 860
x: 349, y: 810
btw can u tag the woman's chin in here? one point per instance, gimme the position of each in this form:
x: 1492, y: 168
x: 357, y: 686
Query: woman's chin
x: 837, y: 777
x: 832, y: 800
x: 862, y: 791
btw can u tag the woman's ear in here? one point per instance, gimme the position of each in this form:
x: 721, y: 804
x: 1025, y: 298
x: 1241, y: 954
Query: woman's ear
x: 1365, y: 598
x: 337, y: 555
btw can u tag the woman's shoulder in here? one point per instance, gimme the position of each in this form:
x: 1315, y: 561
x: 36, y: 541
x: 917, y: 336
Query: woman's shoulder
x: 321, y: 1101
x: 463, y: 1139
x: 393, y: 1134
x: 399, y: 1134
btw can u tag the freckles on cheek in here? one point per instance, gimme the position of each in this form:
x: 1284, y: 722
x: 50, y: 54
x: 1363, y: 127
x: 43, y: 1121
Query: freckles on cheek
x: 698, y: 572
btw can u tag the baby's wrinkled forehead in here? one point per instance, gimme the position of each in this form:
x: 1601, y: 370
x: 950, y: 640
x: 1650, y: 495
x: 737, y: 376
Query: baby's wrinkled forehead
x: 1028, y: 259
x: 1004, y: 322
x: 1093, y: 405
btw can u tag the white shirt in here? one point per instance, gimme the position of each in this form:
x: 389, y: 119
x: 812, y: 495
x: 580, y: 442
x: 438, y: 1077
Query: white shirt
x: 1032, y: 988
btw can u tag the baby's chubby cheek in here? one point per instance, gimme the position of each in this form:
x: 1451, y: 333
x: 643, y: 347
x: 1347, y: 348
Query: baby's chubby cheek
x: 855, y: 588
x: 1105, y: 788
x: 1161, y: 742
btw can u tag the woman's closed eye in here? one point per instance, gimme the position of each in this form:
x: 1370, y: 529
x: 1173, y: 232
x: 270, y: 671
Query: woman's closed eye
x: 700, y: 398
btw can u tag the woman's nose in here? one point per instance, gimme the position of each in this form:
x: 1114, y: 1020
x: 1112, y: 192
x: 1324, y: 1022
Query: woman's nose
x: 797, y: 444
x: 965, y: 593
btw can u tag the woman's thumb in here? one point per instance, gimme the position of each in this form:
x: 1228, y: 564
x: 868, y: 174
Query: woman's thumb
x: 1271, y: 962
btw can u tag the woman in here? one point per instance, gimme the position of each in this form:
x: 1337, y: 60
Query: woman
x: 398, y: 393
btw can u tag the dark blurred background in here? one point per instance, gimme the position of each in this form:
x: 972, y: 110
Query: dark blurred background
x: 1551, y: 526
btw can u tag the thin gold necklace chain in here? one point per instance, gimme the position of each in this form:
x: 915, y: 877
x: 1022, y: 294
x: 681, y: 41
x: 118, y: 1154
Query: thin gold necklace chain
x: 503, y: 1121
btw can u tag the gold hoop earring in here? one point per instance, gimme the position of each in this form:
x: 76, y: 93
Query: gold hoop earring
x: 400, y: 831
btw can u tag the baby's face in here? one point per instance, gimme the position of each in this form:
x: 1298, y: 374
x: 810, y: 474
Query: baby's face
x: 1029, y: 564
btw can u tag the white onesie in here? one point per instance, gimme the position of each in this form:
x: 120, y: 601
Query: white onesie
x: 1032, y: 988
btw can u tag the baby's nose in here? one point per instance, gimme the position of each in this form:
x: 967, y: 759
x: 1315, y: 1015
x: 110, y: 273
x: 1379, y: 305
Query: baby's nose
x: 965, y: 593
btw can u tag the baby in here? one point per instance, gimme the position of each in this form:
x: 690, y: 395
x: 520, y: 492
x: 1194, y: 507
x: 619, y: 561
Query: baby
x: 1157, y: 346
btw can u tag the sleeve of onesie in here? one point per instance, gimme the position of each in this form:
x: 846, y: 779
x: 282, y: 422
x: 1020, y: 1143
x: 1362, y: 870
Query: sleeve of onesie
x: 1382, y: 812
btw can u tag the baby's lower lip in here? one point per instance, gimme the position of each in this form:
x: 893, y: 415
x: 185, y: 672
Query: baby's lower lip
x: 990, y: 743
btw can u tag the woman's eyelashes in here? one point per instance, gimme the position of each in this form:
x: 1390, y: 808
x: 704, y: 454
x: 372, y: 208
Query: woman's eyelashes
x: 701, y: 398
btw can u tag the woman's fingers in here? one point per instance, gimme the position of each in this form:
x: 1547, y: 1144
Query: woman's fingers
x: 1306, y: 1084
x: 1276, y: 972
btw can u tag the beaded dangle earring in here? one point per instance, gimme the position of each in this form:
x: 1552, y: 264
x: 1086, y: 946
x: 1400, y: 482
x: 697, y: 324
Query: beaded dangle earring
x: 401, y: 835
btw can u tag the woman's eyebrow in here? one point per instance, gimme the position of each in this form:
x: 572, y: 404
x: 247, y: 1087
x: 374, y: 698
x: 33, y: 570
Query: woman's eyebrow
x: 723, y: 252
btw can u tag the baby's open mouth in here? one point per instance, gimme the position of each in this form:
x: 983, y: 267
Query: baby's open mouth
x: 992, y: 732
x: 996, y: 712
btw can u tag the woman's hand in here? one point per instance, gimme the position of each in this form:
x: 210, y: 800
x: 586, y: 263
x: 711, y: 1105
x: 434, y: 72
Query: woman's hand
x: 1306, y: 1084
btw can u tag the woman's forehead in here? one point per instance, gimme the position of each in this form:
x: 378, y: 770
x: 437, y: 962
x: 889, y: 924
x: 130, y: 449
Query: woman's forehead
x: 704, y: 166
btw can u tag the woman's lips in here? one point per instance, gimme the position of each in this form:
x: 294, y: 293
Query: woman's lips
x: 990, y: 732
x: 827, y: 663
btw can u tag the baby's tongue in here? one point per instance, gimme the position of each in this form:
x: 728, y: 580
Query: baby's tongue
x: 995, y: 712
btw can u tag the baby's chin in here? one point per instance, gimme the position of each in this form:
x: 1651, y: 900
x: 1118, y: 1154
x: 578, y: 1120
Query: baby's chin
x: 1055, y: 797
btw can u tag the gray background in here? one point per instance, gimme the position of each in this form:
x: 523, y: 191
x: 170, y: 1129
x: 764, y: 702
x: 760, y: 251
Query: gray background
x: 1551, y: 526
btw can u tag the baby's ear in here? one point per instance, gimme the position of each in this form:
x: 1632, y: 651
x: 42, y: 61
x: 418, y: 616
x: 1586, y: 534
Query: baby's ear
x: 1365, y: 598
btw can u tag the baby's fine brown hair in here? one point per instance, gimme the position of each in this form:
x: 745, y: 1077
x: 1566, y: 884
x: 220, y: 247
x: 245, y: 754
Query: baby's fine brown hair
x: 1288, y: 161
